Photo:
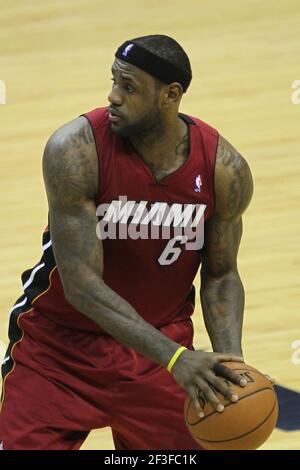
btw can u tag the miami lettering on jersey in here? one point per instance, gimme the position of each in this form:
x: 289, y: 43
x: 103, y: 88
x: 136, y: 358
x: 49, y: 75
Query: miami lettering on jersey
x: 181, y: 224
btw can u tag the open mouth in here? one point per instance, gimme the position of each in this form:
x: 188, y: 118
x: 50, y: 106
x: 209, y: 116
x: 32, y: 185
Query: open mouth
x: 113, y: 116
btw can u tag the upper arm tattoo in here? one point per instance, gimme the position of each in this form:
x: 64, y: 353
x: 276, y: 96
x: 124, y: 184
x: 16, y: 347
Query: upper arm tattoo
x: 69, y: 171
x: 70, y: 174
x: 235, y: 187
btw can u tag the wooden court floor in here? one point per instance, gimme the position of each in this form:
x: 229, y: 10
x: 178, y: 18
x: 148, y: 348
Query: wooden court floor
x: 55, y: 60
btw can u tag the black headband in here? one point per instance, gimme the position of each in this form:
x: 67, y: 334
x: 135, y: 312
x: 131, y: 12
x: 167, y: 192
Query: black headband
x: 156, y: 66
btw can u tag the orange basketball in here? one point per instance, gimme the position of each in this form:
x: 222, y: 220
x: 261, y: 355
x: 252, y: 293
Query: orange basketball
x: 243, y: 425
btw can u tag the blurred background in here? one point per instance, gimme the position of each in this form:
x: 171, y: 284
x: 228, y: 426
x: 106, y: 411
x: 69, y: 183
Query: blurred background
x: 55, y: 60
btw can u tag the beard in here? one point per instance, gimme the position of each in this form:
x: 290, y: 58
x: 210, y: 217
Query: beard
x: 150, y: 123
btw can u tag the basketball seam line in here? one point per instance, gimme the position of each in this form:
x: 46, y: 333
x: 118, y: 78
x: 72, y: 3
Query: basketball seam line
x: 242, y: 435
x: 225, y: 406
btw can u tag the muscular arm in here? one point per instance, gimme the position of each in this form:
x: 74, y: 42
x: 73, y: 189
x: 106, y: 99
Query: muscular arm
x: 70, y: 174
x: 222, y: 293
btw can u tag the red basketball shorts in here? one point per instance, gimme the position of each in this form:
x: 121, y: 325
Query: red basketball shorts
x: 61, y: 383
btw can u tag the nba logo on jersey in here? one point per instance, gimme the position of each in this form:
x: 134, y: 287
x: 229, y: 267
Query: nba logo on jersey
x: 198, y: 184
x: 1, y: 445
x: 127, y: 49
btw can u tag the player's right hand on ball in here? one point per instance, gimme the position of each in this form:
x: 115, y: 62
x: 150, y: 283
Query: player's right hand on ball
x: 199, y: 370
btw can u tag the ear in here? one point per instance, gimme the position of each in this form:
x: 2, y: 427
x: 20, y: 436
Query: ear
x: 172, y: 94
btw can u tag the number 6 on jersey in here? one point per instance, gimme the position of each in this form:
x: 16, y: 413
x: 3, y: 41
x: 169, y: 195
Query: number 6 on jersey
x: 172, y: 253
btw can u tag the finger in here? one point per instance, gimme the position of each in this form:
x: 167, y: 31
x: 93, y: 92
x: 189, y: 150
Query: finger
x: 209, y: 395
x: 223, y: 371
x: 193, y: 393
x: 222, y: 387
x: 229, y: 358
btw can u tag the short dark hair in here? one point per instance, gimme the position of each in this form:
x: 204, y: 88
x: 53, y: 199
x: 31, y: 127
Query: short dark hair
x: 166, y: 48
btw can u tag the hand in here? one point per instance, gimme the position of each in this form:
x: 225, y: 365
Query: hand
x: 199, y: 370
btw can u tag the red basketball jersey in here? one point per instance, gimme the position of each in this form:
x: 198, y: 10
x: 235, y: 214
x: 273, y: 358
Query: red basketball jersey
x: 145, y: 260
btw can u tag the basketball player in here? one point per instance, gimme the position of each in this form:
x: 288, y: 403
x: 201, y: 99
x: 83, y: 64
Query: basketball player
x: 102, y: 335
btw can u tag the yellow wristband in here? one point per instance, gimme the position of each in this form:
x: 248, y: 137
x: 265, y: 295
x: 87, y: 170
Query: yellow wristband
x: 175, y: 357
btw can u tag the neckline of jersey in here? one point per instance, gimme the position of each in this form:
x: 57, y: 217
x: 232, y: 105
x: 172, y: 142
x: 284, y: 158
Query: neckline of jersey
x: 132, y: 150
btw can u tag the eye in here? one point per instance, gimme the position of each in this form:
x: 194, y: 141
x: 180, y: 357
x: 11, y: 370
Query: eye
x: 129, y: 88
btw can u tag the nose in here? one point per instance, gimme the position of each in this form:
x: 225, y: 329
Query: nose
x: 114, y: 97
